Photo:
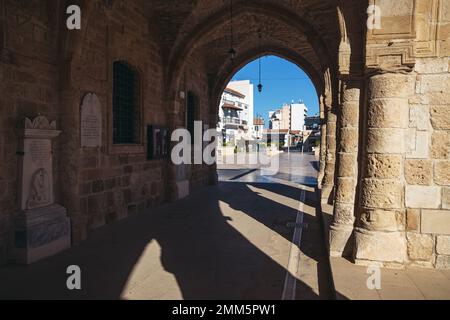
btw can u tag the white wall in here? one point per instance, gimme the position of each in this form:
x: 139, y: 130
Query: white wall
x: 298, y: 114
x: 246, y: 88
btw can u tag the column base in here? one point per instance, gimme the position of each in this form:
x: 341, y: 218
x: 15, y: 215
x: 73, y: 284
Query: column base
x: 341, y: 240
x: 41, y: 233
x: 378, y: 246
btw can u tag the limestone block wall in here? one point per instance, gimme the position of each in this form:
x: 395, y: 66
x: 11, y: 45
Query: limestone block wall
x: 97, y: 185
x: 427, y: 166
x: 28, y: 78
x: 194, y: 79
x: 110, y: 183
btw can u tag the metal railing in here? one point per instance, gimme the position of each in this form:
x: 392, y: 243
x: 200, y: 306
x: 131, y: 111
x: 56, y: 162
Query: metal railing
x: 234, y: 103
x: 232, y: 121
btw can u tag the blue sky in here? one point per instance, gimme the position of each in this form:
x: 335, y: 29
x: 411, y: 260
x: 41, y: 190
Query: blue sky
x: 283, y: 82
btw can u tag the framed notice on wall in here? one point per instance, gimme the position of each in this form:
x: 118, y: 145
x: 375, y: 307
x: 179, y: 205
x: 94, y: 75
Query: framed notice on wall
x: 158, y: 142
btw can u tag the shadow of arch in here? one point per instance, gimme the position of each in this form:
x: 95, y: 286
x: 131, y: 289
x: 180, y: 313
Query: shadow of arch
x: 206, y: 255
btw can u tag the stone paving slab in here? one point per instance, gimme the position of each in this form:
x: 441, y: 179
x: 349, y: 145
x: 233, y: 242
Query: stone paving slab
x: 229, y: 241
x: 350, y: 280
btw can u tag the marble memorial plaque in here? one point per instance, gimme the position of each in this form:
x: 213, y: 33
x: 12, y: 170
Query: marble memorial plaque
x: 42, y: 227
x: 91, y: 121
x: 37, y: 179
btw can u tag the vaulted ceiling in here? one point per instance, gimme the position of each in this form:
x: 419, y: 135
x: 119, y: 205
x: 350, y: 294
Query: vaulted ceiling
x: 307, y: 32
x: 308, y: 27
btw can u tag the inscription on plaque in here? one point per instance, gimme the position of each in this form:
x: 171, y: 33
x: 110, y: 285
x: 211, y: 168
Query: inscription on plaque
x: 40, y: 151
x: 91, y: 121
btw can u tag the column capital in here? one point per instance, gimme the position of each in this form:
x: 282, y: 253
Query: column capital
x: 404, y: 69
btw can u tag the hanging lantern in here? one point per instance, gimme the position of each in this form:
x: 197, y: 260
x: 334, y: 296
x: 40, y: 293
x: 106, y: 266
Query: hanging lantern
x: 260, y: 86
x: 231, y: 52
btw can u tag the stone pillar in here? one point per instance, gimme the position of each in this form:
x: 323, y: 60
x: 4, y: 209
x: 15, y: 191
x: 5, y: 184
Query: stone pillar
x: 178, y: 185
x: 328, y: 179
x: 347, y: 170
x: 379, y: 235
x: 213, y: 117
x: 323, y: 144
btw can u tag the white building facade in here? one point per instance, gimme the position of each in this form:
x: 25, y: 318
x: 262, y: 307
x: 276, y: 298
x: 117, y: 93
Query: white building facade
x: 245, y: 88
x: 258, y: 128
x: 289, y: 117
x: 299, y: 112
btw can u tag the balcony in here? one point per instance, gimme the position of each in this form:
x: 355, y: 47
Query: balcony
x: 233, y: 104
x: 229, y: 120
x: 233, y: 123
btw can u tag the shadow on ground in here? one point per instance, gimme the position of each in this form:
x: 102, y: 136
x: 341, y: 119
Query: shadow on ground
x: 208, y: 257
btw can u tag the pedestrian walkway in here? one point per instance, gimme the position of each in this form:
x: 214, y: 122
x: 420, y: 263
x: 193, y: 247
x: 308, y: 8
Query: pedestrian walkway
x: 229, y: 241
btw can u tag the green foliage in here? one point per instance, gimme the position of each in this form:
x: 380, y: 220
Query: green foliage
x: 317, y: 144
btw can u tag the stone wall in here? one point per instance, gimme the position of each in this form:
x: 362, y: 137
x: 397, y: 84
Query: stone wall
x: 193, y: 79
x: 110, y: 183
x: 28, y: 78
x: 400, y: 136
x: 97, y: 185
x: 427, y: 167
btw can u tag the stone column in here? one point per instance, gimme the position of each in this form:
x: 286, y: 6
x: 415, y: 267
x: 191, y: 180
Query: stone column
x: 213, y: 116
x: 323, y: 143
x: 178, y: 181
x: 347, y: 170
x: 328, y: 179
x: 379, y: 235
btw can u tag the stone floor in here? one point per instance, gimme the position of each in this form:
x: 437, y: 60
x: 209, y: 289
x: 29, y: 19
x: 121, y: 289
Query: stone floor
x: 350, y: 280
x: 236, y: 240
x: 230, y: 241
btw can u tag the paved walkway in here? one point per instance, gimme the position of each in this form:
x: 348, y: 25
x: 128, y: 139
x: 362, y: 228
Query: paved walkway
x: 230, y: 241
x: 350, y: 280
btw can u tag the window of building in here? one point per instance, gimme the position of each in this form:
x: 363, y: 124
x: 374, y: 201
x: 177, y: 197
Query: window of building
x: 126, y: 104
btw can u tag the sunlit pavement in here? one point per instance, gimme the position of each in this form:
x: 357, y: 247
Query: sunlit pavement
x: 236, y: 240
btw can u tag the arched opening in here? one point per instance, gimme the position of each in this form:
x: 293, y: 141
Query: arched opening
x: 87, y: 113
x: 268, y: 203
x: 283, y: 118
x: 234, y: 227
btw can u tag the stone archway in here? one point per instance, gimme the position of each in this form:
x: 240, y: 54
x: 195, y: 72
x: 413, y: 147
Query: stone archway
x: 346, y: 68
x: 386, y: 180
x: 290, y: 36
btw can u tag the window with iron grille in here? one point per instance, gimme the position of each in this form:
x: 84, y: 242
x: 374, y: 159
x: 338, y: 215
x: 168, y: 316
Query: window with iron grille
x: 126, y: 104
